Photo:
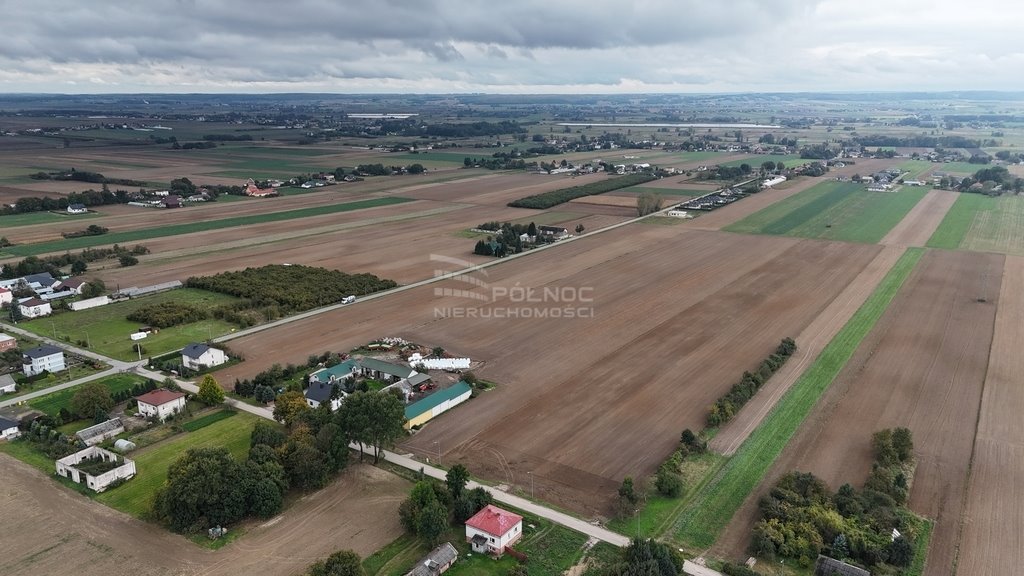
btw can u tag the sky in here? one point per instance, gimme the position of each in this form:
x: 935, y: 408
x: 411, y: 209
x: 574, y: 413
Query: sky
x: 505, y: 46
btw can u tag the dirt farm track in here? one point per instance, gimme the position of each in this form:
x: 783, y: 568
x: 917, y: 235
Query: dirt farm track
x: 640, y: 355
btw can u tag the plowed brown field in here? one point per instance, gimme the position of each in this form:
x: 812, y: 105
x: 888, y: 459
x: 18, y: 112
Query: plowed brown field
x: 922, y: 366
x: 993, y: 535
x: 677, y: 316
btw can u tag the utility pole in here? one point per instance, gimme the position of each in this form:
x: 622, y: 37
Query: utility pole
x: 531, y: 484
x: 438, y: 452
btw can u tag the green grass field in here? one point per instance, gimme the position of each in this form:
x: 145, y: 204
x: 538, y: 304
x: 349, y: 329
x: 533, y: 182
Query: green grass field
x: 714, y: 506
x: 697, y: 156
x: 961, y: 168
x: 52, y: 403
x: 208, y: 420
x: 106, y: 328
x: 756, y: 160
x: 916, y: 168
x: 984, y: 224
x: 666, y: 191
x: 135, y: 497
x: 448, y: 158
x: 192, y: 227
x: 12, y: 220
x: 833, y: 210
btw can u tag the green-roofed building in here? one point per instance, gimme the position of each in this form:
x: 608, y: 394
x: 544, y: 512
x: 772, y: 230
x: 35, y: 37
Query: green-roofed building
x: 422, y: 411
x: 382, y: 370
x: 336, y: 373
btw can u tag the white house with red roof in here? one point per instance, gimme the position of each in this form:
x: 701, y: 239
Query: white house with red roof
x: 6, y: 296
x: 492, y: 529
x: 161, y: 403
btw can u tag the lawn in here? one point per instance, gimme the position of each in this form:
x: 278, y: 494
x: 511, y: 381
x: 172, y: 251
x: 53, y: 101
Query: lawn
x: 52, y: 403
x: 833, y: 210
x: 135, y: 496
x: 716, y: 503
x: 192, y: 227
x: 31, y: 218
x: 105, y: 328
x: 208, y: 420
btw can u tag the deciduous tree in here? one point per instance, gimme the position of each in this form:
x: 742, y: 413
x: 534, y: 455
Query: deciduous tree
x: 210, y: 393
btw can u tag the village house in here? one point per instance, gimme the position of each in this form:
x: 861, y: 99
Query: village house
x: 318, y: 393
x: 335, y: 373
x: 161, y: 403
x: 435, y: 563
x: 45, y: 358
x: 556, y: 232
x: 7, y: 342
x: 384, y: 371
x: 252, y: 190
x: 72, y: 285
x: 77, y: 209
x: 8, y: 429
x: 171, y: 201
x: 6, y: 296
x: 7, y: 384
x: 35, y: 308
x: 40, y: 281
x: 201, y: 356
x: 492, y: 529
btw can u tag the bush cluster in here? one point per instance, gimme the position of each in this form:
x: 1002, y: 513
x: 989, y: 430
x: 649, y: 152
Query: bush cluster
x: 546, y: 200
x: 167, y: 314
x: 727, y: 406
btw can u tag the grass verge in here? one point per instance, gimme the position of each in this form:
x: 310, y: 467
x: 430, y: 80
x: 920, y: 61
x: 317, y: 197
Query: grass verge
x: 714, y: 506
x: 204, y: 421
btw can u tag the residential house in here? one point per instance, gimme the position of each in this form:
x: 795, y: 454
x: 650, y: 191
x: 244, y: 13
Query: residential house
x: 35, y: 308
x: 435, y: 563
x: 171, y: 201
x: 492, y: 529
x: 40, y: 281
x: 8, y: 429
x: 7, y: 342
x: 336, y: 373
x: 318, y: 393
x: 385, y: 371
x: 161, y: 403
x: 6, y: 296
x: 201, y: 356
x: 77, y: 209
x: 252, y: 190
x: 45, y: 358
x: 72, y: 285
x: 7, y: 384
x: 556, y: 232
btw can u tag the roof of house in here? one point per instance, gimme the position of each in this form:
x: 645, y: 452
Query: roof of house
x: 5, y: 337
x: 320, y: 391
x: 494, y: 520
x: 436, y: 399
x: 386, y: 367
x: 43, y: 278
x: 76, y: 206
x: 194, y: 351
x: 441, y: 556
x: 33, y: 302
x: 159, y: 397
x: 6, y: 380
x: 43, y: 351
x: 4, y: 290
x: 832, y: 567
x: 6, y: 424
x: 72, y: 283
x: 552, y: 229
x: 338, y: 371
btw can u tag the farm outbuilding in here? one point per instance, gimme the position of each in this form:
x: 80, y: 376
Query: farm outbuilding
x: 826, y: 566
x: 423, y: 411
x: 89, y: 303
x: 109, y: 468
x: 93, y: 435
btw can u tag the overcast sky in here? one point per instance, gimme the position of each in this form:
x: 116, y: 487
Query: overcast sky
x: 509, y: 46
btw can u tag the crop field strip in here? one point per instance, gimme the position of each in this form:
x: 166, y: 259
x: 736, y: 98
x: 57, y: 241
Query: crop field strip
x: 834, y: 211
x: 701, y: 524
x: 178, y: 229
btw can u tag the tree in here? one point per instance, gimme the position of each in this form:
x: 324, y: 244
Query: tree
x: 531, y: 230
x: 332, y: 442
x: 16, y: 315
x: 628, y: 497
x: 78, y: 267
x: 372, y: 418
x: 456, y: 480
x: 341, y: 563
x: 580, y: 228
x: 903, y: 443
x: 901, y: 552
x: 307, y: 468
x: 668, y: 482
x: 288, y: 407
x: 268, y: 434
x: 648, y: 558
x: 210, y: 393
x: 647, y: 203
x: 840, y: 547
x: 90, y: 399
x: 416, y: 169
x: 433, y: 521
x: 93, y: 288
x: 264, y: 394
x: 202, y: 489
x: 128, y: 260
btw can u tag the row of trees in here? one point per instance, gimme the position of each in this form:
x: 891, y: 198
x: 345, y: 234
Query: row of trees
x: 167, y: 314
x: 546, y: 200
x: 91, y: 230
x: 432, y: 507
x: 292, y: 288
x: 84, y: 176
x: 728, y: 405
x: 801, y: 517
x: 29, y: 204
x: 53, y: 264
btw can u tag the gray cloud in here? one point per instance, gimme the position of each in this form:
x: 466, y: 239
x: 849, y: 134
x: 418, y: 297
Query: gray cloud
x: 456, y: 45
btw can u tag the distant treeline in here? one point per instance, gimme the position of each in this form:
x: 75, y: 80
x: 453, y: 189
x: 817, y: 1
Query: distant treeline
x: 52, y: 264
x: 917, y: 141
x: 227, y: 137
x: 46, y: 203
x: 451, y: 130
x: 546, y: 200
x: 84, y: 176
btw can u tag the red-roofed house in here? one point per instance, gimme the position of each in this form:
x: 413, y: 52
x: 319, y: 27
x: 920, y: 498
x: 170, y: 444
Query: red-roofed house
x: 252, y: 190
x: 6, y: 296
x: 492, y: 529
x: 161, y: 403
